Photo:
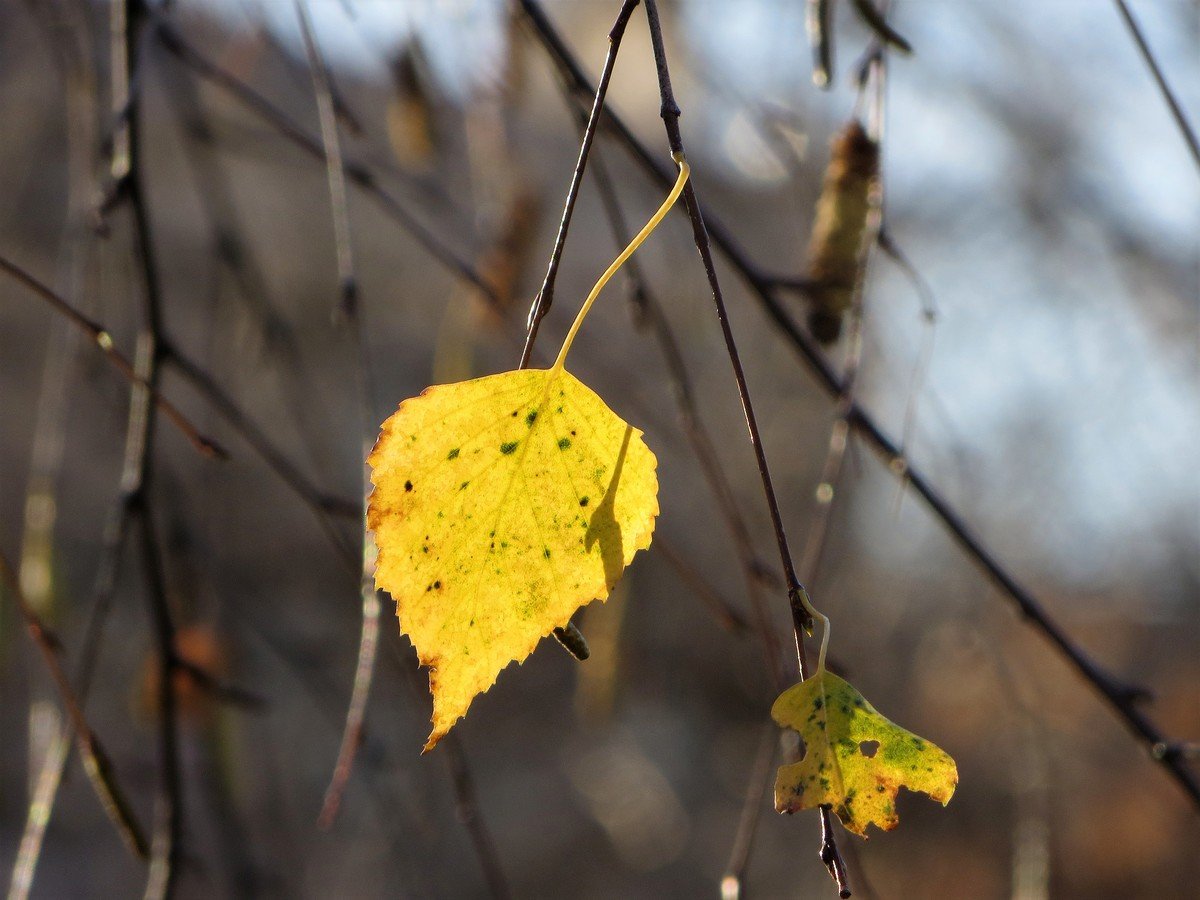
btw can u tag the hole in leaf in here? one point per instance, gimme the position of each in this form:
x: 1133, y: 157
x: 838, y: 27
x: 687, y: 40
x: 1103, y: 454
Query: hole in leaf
x: 869, y: 748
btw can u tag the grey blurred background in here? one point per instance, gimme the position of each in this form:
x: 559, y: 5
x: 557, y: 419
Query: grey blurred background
x: 1033, y: 177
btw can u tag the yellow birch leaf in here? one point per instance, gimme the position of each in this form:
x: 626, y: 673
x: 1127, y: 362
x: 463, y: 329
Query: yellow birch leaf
x: 502, y: 505
x: 840, y: 728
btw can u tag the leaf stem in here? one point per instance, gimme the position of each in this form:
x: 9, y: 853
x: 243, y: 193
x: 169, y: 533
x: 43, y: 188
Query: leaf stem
x: 647, y: 230
x: 806, y: 602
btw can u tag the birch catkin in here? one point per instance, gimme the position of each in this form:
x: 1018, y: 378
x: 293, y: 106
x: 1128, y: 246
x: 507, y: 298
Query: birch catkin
x: 836, y: 250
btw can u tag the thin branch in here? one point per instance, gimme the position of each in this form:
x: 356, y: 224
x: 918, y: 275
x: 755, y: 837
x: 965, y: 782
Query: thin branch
x: 545, y: 297
x: 95, y: 760
x: 462, y: 782
x: 733, y: 882
x: 1164, y: 87
x: 874, y: 19
x: 166, y: 848
x: 670, y: 115
x: 335, y: 167
x: 831, y: 470
x: 101, y: 337
x: 323, y: 505
x: 356, y: 709
x: 467, y: 809
x: 357, y: 173
x: 364, y: 669
x: 818, y: 14
x: 648, y: 310
x: 115, y: 533
x: 570, y: 637
x: 801, y: 622
x: 727, y: 617
x: 754, y: 572
x: 216, y: 197
x: 1121, y: 698
x: 68, y: 38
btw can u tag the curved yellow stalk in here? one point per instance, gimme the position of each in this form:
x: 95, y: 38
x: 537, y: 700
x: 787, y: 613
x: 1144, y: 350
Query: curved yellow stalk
x: 655, y: 219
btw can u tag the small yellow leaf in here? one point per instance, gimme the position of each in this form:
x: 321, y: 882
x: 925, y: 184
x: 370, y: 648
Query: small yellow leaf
x: 502, y: 505
x: 840, y: 728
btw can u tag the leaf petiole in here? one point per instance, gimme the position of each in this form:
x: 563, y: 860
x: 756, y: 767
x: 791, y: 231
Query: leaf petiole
x: 684, y: 170
x: 806, y: 601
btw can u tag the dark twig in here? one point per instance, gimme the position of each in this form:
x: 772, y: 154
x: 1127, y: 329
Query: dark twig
x: 229, y: 694
x: 801, y: 621
x: 355, y: 172
x: 876, y: 21
x: 364, y: 669
x: 467, y: 808
x: 323, y: 505
x: 670, y: 115
x: 68, y: 38
x: 335, y: 167
x: 95, y: 760
x: 648, y: 310
x: 818, y: 14
x: 166, y: 848
x: 133, y: 467
x: 100, y: 336
x: 733, y: 882
x: 728, y: 617
x: 1120, y: 697
x: 54, y: 764
x: 1164, y: 87
x: 462, y: 783
x: 346, y: 116
x: 545, y: 297
x: 216, y: 196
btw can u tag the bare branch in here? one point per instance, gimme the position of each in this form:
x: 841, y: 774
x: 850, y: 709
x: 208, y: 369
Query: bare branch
x: 100, y: 336
x: 801, y: 621
x: 95, y: 760
x: 356, y: 173
x: 545, y: 297
x: 368, y: 644
x: 1120, y: 697
x: 1181, y: 121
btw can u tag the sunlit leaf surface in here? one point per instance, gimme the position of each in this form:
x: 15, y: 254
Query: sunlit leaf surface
x: 501, y: 505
